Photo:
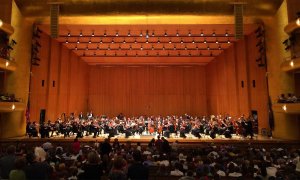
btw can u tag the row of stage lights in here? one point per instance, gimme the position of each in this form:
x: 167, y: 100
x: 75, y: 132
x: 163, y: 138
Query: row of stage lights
x: 147, y: 35
x: 152, y: 48
x: 157, y: 42
x: 148, y: 55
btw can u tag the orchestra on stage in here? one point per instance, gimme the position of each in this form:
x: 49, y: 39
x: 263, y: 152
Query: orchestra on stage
x: 81, y: 126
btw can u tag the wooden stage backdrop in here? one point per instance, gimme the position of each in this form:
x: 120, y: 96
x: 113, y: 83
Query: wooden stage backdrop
x: 231, y: 83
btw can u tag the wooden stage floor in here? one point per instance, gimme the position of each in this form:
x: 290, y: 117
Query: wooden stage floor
x: 145, y: 139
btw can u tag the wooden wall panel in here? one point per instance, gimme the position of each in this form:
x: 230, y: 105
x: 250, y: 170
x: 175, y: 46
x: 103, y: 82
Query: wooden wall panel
x: 51, y: 96
x: 224, y: 76
x: 69, y: 93
x: 230, y: 67
x: 242, y: 75
x: 258, y: 95
x: 78, y: 85
x: 38, y: 93
x: 63, y: 83
x: 147, y: 90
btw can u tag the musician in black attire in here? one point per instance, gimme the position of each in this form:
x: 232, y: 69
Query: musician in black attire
x: 80, y: 116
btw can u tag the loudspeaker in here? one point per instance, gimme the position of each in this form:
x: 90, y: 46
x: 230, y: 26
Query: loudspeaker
x: 42, y: 115
x: 239, y: 23
x: 54, y: 14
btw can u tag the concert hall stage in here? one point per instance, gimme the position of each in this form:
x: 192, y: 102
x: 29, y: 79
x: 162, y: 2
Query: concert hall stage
x: 190, y: 141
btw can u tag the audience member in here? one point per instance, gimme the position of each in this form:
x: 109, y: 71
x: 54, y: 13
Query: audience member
x: 137, y: 170
x: 7, y: 162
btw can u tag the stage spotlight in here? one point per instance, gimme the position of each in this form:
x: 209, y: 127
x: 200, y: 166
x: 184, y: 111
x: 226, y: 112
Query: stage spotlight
x: 141, y: 48
x: 259, y: 43
x: 181, y: 41
x: 165, y: 33
x: 100, y: 41
x: 287, y: 47
x: 67, y: 41
x: 93, y: 34
x: 213, y: 34
x: 170, y: 41
x: 201, y: 33
x: 226, y: 34
x: 80, y: 34
x: 135, y: 41
x: 208, y: 48
x: 152, y: 48
x: 36, y: 35
x: 220, y: 47
x: 35, y: 63
x: 8, y: 47
x: 153, y: 34
x: 37, y: 44
x: 197, y: 48
x: 259, y: 59
x: 185, y: 47
x: 117, y: 34
x: 141, y: 34
x: 174, y: 47
x: 90, y: 41
x: 285, y: 41
x: 177, y: 34
x: 228, y: 41
x: 204, y: 41
x: 128, y: 34
x: 258, y: 30
x: 124, y: 41
x: 261, y: 49
x: 217, y: 42
x: 147, y: 41
x: 120, y: 47
x: 87, y: 48
x: 78, y: 41
x: 259, y: 35
x: 98, y: 48
x: 36, y: 59
x: 163, y: 48
x: 193, y: 41
x: 104, y: 33
x: 147, y: 34
x: 130, y: 48
x: 190, y: 34
x: 112, y: 41
x: 76, y: 48
x: 69, y: 34
x: 158, y: 41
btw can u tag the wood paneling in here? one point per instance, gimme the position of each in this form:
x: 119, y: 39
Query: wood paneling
x: 225, y: 74
x: 65, y: 82
x: 258, y: 95
x: 147, y: 90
